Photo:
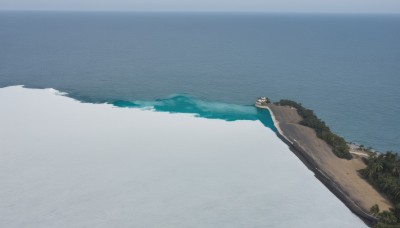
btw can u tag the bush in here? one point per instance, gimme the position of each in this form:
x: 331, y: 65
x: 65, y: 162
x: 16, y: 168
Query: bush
x: 337, y: 143
x: 374, y: 209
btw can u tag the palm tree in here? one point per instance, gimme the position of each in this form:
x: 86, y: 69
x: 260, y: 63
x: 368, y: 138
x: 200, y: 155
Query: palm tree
x: 375, y: 167
x: 387, y: 184
x: 396, y: 169
x: 396, y: 191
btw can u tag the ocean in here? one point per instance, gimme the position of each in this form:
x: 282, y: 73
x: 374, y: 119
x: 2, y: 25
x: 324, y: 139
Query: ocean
x: 115, y: 156
x: 344, y: 67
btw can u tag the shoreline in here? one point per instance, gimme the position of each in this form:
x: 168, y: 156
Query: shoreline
x: 274, y: 120
x: 312, y: 162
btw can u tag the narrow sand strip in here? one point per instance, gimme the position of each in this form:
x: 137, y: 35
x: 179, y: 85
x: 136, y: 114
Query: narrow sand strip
x: 343, y: 172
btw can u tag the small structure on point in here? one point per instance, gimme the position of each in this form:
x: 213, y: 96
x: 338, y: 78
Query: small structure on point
x: 262, y: 102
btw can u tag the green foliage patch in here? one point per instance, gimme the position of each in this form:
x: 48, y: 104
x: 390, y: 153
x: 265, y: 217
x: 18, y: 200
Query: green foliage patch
x: 337, y: 143
x: 383, y: 172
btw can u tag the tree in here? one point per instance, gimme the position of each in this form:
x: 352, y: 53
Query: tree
x: 387, y: 217
x: 396, y: 169
x: 374, y: 209
x: 382, y: 172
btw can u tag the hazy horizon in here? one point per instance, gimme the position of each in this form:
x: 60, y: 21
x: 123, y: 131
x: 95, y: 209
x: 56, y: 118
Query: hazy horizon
x: 199, y: 12
x: 256, y: 6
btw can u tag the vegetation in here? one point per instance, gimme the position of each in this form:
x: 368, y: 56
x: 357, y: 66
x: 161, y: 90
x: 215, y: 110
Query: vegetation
x: 383, y: 172
x: 337, y: 143
x: 368, y: 150
x: 374, y: 210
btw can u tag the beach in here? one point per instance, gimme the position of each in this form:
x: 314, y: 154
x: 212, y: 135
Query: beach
x: 340, y: 175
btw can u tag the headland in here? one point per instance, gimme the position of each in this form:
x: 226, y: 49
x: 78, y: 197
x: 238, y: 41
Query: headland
x: 340, y: 176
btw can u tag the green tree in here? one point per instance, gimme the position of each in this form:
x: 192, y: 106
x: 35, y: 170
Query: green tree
x: 387, y: 217
x: 382, y: 172
x: 374, y: 209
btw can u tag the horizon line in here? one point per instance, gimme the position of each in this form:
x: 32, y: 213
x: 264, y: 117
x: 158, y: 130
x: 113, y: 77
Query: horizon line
x: 199, y: 11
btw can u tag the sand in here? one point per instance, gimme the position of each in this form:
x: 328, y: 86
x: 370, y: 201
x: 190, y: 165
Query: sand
x: 342, y: 172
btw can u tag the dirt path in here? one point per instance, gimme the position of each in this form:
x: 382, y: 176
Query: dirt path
x: 342, y: 172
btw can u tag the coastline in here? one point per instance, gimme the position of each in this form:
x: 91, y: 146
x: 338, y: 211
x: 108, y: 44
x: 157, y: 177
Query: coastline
x: 274, y: 120
x: 333, y: 172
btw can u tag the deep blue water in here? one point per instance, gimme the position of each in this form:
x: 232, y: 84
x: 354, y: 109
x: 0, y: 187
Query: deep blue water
x: 345, y: 67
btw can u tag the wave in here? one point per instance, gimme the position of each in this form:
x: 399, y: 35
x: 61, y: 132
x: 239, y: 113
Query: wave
x: 57, y: 92
x: 180, y: 103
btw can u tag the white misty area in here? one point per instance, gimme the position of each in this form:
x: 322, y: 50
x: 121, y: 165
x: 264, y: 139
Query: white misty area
x: 70, y: 164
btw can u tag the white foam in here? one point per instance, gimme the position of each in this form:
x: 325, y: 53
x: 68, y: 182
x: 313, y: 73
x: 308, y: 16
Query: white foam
x: 69, y: 164
x: 57, y: 92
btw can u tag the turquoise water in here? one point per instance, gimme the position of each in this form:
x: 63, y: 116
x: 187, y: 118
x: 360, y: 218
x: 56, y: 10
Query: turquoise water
x: 345, y: 67
x: 179, y: 103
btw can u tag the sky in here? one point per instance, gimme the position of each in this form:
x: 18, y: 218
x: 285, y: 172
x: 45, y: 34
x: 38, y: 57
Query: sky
x: 301, y: 6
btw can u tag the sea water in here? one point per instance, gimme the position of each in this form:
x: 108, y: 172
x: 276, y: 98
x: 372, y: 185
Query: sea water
x: 345, y: 67
x: 210, y: 164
